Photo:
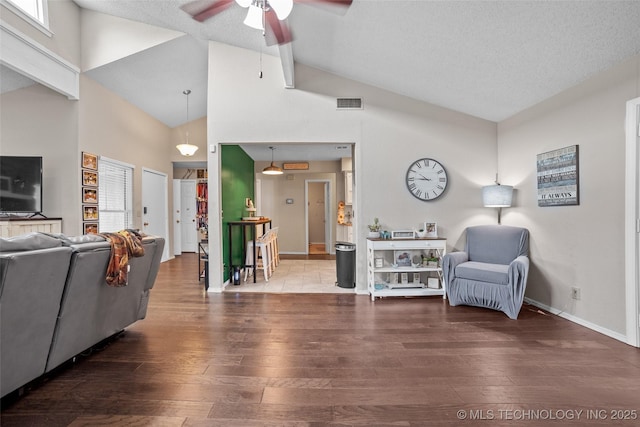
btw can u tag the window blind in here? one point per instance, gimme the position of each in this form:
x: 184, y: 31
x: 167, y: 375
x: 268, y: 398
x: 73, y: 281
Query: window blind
x: 115, y: 195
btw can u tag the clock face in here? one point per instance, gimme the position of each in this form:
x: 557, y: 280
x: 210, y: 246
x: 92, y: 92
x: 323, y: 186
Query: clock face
x: 426, y: 179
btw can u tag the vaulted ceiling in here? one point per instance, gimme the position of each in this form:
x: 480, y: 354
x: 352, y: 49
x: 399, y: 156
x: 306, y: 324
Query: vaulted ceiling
x: 489, y: 59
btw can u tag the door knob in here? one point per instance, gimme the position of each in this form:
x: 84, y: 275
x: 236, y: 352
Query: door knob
x: 178, y: 221
x: 146, y: 224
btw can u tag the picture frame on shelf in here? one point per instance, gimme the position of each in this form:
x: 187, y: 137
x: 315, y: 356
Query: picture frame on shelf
x: 379, y: 262
x: 430, y: 229
x: 89, y: 178
x: 90, y: 228
x: 403, y: 258
x: 89, y: 212
x: 89, y: 195
x: 89, y: 161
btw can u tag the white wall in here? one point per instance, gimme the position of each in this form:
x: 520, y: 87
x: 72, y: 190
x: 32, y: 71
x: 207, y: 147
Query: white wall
x: 36, y: 121
x: 389, y: 134
x: 581, y: 245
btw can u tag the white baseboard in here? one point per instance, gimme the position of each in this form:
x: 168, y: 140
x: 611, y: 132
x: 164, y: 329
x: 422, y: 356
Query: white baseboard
x: 578, y: 320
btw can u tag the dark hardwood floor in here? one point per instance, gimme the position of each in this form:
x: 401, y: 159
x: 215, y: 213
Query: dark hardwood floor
x: 249, y: 360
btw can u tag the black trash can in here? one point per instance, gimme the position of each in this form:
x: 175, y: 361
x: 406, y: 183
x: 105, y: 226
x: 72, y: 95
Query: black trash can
x: 346, y: 264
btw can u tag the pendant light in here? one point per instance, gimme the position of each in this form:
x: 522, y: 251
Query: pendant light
x: 187, y: 149
x: 272, y: 169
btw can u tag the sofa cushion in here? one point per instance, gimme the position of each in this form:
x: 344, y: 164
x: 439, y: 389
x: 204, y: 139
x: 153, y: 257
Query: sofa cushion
x: 28, y: 242
x: 483, y: 272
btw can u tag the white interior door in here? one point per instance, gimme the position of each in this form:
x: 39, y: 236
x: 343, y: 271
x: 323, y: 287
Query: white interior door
x: 188, y: 211
x: 177, y: 228
x: 155, y: 218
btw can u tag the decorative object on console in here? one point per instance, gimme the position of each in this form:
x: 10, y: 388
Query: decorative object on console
x: 403, y: 234
x: 272, y: 169
x: 430, y: 229
x: 374, y: 229
x: 185, y: 148
x: 558, y: 177
x: 497, y: 196
x: 426, y: 179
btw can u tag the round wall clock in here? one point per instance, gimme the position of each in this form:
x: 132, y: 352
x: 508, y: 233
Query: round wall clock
x: 426, y: 179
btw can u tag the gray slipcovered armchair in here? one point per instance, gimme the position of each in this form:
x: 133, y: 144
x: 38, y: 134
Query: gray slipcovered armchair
x: 492, y: 271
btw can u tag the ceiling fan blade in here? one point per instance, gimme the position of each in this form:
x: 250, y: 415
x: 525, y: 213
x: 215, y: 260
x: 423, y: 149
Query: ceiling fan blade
x: 276, y: 31
x: 336, y: 6
x: 201, y: 10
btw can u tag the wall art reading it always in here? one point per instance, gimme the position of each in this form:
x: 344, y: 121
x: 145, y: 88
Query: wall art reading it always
x: 558, y: 178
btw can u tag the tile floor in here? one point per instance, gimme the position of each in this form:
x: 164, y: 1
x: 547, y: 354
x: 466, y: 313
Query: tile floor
x: 295, y: 276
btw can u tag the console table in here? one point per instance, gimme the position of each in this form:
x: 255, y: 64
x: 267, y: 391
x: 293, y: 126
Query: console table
x: 400, y: 268
x: 245, y: 225
x: 10, y: 227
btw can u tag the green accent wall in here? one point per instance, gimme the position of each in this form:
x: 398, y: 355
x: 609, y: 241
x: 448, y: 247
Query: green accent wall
x: 238, y: 180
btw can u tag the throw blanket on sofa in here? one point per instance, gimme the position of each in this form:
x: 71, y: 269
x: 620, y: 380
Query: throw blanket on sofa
x: 124, y: 244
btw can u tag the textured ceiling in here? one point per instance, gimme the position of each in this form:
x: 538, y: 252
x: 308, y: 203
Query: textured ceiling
x: 489, y: 59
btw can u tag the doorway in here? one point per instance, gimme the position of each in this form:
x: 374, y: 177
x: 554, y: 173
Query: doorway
x: 188, y: 226
x: 318, y: 220
x: 155, y: 217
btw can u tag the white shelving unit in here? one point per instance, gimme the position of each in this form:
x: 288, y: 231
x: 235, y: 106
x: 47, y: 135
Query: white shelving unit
x: 389, y: 260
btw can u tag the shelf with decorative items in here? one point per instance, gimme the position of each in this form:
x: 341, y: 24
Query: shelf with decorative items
x: 202, y: 208
x: 405, y: 267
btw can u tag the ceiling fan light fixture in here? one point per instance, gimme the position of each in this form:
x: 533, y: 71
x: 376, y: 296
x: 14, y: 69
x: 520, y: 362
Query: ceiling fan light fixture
x: 244, y: 3
x: 254, y: 18
x: 282, y: 8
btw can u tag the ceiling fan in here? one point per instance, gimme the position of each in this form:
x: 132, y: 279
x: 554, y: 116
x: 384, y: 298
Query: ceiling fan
x: 266, y: 15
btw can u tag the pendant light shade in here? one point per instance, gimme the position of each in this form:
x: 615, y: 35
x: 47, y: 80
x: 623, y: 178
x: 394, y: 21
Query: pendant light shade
x: 272, y: 169
x: 187, y: 149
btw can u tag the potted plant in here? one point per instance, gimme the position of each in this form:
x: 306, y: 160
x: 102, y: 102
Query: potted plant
x: 374, y: 229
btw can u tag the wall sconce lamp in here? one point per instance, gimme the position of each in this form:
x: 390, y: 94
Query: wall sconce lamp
x: 497, y: 196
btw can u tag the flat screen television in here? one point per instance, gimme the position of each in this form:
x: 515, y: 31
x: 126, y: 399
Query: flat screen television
x: 20, y: 184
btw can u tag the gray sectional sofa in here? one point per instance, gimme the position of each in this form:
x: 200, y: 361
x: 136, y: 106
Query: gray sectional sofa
x: 55, y: 303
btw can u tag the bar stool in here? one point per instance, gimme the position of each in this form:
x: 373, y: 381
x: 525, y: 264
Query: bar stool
x: 275, y: 253
x: 263, y: 253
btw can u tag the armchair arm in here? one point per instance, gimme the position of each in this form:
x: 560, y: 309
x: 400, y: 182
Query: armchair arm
x: 449, y: 263
x: 518, y: 272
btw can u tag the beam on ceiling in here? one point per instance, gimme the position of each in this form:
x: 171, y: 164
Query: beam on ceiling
x: 286, y: 57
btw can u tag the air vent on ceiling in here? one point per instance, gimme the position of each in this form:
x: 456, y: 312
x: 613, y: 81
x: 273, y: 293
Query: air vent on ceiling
x: 349, y: 103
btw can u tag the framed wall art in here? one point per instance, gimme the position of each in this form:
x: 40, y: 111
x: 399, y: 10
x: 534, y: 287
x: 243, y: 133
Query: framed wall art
x: 89, y: 195
x: 89, y: 213
x: 89, y: 161
x: 89, y: 178
x: 90, y: 228
x: 558, y: 177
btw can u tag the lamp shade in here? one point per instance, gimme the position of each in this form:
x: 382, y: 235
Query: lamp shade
x: 254, y: 18
x: 497, y: 196
x: 272, y: 170
x: 187, y: 149
x: 244, y: 3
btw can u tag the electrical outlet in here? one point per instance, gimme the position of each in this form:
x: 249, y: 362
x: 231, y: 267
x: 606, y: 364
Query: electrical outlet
x: 575, y: 293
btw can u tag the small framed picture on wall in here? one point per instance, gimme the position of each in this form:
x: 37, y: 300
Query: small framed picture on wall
x: 89, y: 213
x: 89, y: 178
x: 89, y: 195
x: 89, y: 161
x: 90, y: 228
